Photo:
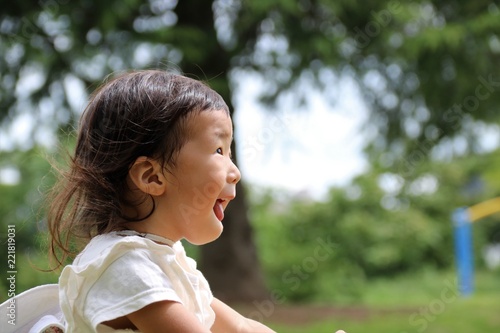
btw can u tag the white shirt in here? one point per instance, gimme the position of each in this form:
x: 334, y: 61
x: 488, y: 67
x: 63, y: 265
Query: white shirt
x: 118, y: 274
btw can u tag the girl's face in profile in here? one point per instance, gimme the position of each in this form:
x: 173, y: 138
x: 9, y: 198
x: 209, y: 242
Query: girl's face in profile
x: 203, y: 180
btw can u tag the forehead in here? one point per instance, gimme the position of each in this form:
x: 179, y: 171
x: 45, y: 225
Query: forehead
x: 215, y: 123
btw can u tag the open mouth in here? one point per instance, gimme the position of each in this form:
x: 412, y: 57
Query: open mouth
x: 219, y: 209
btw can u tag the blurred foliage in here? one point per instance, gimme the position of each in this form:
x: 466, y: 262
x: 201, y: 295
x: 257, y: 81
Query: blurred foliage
x: 328, y: 250
x: 29, y: 177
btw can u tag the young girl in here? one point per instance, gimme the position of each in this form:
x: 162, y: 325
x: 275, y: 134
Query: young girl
x: 152, y: 166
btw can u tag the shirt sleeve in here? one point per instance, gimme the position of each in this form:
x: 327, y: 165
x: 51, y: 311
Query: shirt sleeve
x: 128, y: 284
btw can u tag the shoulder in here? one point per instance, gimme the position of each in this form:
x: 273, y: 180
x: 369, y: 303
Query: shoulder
x: 114, y: 276
x: 111, y: 246
x: 113, y: 251
x: 109, y: 258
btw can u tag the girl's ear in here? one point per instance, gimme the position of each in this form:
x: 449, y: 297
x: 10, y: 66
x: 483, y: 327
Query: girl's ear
x: 147, y: 176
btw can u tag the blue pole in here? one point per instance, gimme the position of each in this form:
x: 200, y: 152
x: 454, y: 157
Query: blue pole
x: 463, y: 251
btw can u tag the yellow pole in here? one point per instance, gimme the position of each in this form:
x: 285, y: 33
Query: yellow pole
x: 484, y: 209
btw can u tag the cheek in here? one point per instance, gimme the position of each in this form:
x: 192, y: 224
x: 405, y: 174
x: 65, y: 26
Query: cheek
x: 209, y: 180
x: 201, y: 192
x: 202, y: 180
x: 211, y: 189
x: 218, y: 175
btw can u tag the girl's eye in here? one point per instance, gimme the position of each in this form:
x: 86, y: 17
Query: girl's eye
x: 219, y: 151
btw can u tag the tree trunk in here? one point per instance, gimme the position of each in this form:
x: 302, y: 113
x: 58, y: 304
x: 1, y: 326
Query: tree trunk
x: 230, y: 263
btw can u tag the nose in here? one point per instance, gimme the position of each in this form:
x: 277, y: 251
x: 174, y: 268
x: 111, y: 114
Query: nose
x: 234, y: 174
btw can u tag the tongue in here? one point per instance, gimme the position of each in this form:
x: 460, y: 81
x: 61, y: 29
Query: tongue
x: 219, y: 211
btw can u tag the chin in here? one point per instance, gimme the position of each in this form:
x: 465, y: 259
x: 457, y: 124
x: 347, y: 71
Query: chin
x: 207, y: 238
x: 215, y: 236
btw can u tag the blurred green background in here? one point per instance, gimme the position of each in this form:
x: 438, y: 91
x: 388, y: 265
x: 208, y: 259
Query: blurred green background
x: 375, y: 254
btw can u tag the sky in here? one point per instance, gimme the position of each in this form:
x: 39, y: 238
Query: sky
x: 305, y: 150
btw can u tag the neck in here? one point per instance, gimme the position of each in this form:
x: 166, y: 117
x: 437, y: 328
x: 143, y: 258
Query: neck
x: 153, y: 237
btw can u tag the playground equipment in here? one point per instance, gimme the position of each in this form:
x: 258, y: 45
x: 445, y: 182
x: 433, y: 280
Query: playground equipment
x: 462, y: 220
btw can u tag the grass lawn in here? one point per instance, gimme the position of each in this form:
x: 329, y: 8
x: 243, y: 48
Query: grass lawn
x: 425, y: 303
